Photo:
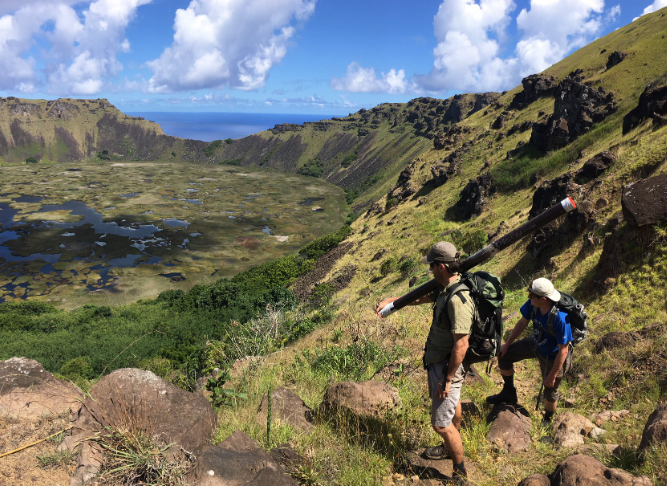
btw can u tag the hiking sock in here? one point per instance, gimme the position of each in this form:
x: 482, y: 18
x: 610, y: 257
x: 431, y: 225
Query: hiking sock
x: 460, y: 470
x: 508, y: 382
x: 547, y: 416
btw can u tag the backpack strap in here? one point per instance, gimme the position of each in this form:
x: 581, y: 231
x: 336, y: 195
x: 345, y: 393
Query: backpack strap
x: 455, y: 290
x: 553, y: 312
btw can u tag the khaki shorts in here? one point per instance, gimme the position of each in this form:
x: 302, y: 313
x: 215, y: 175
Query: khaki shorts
x: 442, y: 411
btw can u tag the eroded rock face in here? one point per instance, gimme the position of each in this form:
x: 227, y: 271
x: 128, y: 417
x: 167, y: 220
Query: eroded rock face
x: 577, y: 108
x: 652, y: 104
x: 238, y: 461
x: 645, y: 202
x: 288, y: 407
x: 63, y: 109
x: 535, y: 86
x: 474, y: 196
x: 365, y: 399
x: 655, y: 431
x: 405, y: 186
x: 27, y: 390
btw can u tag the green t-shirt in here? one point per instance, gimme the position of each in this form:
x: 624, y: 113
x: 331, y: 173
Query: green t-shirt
x: 456, y: 319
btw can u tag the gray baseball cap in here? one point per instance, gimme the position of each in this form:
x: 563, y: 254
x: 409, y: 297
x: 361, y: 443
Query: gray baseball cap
x: 442, y: 251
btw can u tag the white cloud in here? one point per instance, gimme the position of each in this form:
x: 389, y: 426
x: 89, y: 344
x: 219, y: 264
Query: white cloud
x: 82, y: 51
x: 470, y: 33
x: 364, y: 80
x: 614, y: 13
x: 657, y: 5
x: 232, y: 43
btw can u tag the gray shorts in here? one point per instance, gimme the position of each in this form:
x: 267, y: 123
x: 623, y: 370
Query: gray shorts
x: 442, y: 411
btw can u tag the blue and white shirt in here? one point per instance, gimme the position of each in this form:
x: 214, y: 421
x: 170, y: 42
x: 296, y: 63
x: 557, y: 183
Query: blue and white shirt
x: 546, y: 343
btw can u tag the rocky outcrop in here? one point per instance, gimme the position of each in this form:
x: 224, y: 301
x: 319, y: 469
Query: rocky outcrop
x: 615, y: 58
x: 510, y: 428
x: 652, y: 104
x: 585, y: 470
x: 535, y: 86
x: 595, y: 167
x: 287, y: 407
x: 143, y: 402
x: 502, y: 119
x: 367, y: 399
x: 577, y: 108
x: 28, y: 391
x: 655, y: 431
x: 474, y: 196
x: 63, y: 109
x: 645, y: 202
x: 238, y: 461
x: 405, y: 186
x: 570, y: 429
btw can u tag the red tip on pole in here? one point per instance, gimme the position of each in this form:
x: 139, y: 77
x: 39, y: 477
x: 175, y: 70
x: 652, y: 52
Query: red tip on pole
x: 572, y: 202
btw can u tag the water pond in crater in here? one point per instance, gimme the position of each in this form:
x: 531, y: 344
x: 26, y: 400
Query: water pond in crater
x: 110, y: 234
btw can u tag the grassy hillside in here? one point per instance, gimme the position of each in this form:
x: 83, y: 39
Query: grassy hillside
x: 341, y: 338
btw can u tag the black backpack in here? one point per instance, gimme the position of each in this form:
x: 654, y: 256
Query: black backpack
x: 487, y: 328
x: 576, y: 313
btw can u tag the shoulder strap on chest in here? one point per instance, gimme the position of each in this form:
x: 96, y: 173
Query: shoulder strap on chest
x: 553, y: 312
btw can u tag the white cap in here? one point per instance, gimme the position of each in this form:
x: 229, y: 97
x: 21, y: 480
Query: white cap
x: 544, y: 288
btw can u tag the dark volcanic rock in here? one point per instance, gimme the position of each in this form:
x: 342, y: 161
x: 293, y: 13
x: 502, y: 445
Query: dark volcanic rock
x: 560, y: 232
x: 652, y: 104
x: 655, y: 431
x: 362, y: 399
x: 615, y: 58
x: 474, y: 196
x: 577, y: 108
x: 510, y: 428
x: 645, y: 202
x: 534, y: 86
x: 585, y: 470
x: 595, y: 166
x: 501, y: 120
x: 238, y: 460
x: 405, y: 186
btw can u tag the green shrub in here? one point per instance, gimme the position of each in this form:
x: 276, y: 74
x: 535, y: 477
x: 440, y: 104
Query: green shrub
x: 320, y: 246
x: 349, y: 159
x: 313, y: 168
x: 78, y: 370
x: 467, y: 242
x: 356, y: 361
x: 31, y: 160
x: 388, y: 266
x: 407, y: 266
x: 210, y: 149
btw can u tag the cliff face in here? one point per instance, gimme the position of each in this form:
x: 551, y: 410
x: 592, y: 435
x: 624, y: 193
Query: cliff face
x: 69, y: 130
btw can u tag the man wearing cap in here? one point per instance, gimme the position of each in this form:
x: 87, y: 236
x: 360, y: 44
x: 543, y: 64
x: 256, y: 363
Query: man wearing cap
x: 445, y: 349
x: 550, y: 347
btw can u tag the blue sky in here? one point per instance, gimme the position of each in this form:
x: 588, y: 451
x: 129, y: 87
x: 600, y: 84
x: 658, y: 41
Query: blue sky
x: 289, y: 56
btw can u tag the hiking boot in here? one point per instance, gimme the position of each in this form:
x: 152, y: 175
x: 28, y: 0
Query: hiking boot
x: 437, y: 452
x: 507, y: 395
x: 457, y: 480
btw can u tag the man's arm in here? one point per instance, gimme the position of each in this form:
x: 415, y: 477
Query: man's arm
x: 516, y: 332
x: 455, y: 360
x: 561, y: 356
x: 422, y: 300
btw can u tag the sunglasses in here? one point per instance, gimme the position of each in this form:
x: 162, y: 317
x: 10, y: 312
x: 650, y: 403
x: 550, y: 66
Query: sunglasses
x: 533, y: 295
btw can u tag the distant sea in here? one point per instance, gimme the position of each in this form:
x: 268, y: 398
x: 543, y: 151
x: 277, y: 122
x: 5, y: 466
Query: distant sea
x: 220, y: 126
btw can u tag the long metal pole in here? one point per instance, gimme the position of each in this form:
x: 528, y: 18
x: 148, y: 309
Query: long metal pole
x: 486, y: 253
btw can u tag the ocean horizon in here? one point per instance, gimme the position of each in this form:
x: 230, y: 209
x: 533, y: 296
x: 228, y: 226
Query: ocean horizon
x: 210, y: 126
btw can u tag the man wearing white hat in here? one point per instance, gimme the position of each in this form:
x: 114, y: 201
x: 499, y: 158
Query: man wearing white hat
x: 550, y: 344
